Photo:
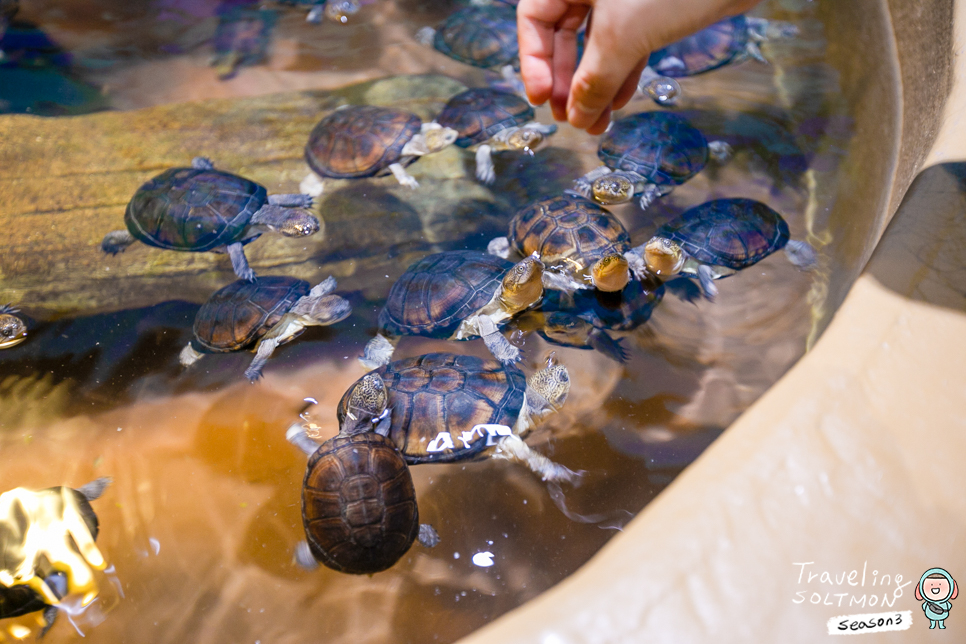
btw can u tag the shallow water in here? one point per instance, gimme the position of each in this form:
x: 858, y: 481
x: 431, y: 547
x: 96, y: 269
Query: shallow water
x: 204, y: 512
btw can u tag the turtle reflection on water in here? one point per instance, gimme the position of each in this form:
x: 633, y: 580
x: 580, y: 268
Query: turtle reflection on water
x: 358, y: 500
x: 201, y: 209
x: 272, y: 311
x: 718, y: 238
x: 13, y: 330
x: 448, y: 407
x: 241, y: 38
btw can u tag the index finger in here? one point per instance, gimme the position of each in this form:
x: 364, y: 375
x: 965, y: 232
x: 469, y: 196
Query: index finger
x: 537, y: 24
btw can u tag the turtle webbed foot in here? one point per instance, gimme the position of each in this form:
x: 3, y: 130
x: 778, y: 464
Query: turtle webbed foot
x: 428, y: 537
x: 294, y: 200
x: 706, y: 279
x: 378, y: 352
x: 239, y: 262
x: 202, y: 163
x: 801, y: 254
x: 303, y: 557
x: 116, y: 241
x: 498, y: 345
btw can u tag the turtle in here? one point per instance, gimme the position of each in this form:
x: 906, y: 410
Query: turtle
x: 581, y: 241
x: 13, y: 330
x: 271, y: 311
x: 483, y: 36
x: 367, y: 140
x: 457, y: 295
x: 22, y: 599
x: 358, y: 500
x: 241, y: 37
x: 648, y: 154
x: 447, y: 408
x: 8, y: 9
x: 718, y: 238
x: 201, y: 209
x: 585, y: 319
x: 490, y: 120
x: 335, y: 10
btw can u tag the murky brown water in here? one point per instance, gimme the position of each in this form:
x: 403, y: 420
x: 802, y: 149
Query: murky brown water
x: 204, y: 512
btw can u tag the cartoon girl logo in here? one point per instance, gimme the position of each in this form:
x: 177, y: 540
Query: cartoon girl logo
x: 936, y: 590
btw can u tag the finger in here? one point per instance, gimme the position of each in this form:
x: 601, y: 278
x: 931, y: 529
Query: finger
x: 601, y: 124
x: 536, y: 25
x: 629, y: 88
x: 564, y: 65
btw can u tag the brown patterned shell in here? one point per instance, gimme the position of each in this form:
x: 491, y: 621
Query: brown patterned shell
x: 359, y: 504
x: 568, y: 229
x: 242, y: 312
x: 359, y: 141
x: 444, y: 393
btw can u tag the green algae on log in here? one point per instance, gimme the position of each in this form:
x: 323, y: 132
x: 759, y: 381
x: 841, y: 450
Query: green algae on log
x: 67, y: 181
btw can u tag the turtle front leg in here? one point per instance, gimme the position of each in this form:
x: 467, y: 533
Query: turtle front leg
x: 565, y: 283
x: 484, y: 164
x: 304, y: 558
x: 584, y: 185
x: 498, y: 345
x: 189, y: 356
x: 428, y: 537
x: 202, y: 163
x: 499, y: 246
x: 266, y: 347
x: 378, y: 352
x: 610, y: 347
x: 706, y: 279
x: 402, y: 176
x: 315, y: 14
x: 296, y: 436
x: 116, y: 241
x: 719, y: 151
x: 802, y: 254
x: 239, y: 262
x: 512, y: 448
x: 292, y: 200
x: 650, y: 193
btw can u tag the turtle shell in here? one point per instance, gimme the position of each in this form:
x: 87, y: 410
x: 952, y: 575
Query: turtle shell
x: 359, y: 504
x: 437, y: 399
x: 568, y: 228
x: 435, y: 294
x: 735, y: 233
x: 662, y: 147
x: 479, y: 114
x: 242, y: 312
x: 359, y: 141
x: 193, y: 210
x: 480, y: 36
x: 705, y: 50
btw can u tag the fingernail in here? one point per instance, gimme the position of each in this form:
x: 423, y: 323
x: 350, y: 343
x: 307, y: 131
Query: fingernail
x: 581, y: 116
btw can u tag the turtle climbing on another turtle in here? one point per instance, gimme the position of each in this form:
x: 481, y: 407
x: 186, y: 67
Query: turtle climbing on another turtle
x: 358, y: 141
x: 270, y: 311
x: 490, y: 120
x: 648, y: 154
x: 358, y: 500
x: 448, y: 408
x: 582, y: 243
x: 13, y: 330
x: 200, y: 209
x: 717, y: 239
x: 457, y: 295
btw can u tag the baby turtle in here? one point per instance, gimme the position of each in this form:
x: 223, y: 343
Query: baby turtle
x: 13, y: 330
x: 573, y: 235
x: 335, y: 10
x: 718, y: 238
x: 272, y: 311
x: 199, y: 209
x: 648, y: 154
x: 241, y: 38
x: 367, y: 141
x: 358, y: 501
x: 22, y: 599
x: 458, y: 295
x: 448, y: 407
x: 489, y: 120
x: 586, y: 319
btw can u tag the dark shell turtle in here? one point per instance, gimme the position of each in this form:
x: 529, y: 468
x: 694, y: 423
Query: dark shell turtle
x: 648, y: 154
x: 480, y: 36
x: 479, y: 114
x: 241, y: 38
x: 572, y: 234
x: 359, y: 504
x: 13, y: 330
x: 719, y: 237
x: 360, y: 141
x: 705, y: 50
x: 457, y: 295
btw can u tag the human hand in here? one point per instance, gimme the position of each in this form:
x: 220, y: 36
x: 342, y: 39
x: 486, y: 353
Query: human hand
x: 621, y: 34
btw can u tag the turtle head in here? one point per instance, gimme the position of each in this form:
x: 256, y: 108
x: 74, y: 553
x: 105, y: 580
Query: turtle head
x: 438, y: 137
x: 368, y: 403
x: 566, y: 329
x: 664, y: 257
x: 551, y: 384
x: 340, y: 10
x: 298, y: 223
x: 13, y: 331
x: 612, y: 188
x: 523, y: 284
x: 530, y: 136
x: 610, y: 273
x: 329, y: 309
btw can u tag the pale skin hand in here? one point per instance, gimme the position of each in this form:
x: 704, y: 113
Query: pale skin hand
x: 622, y: 35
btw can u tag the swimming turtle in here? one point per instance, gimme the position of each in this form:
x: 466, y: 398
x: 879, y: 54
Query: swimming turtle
x: 367, y: 141
x: 358, y: 501
x: 648, y: 154
x: 458, y: 295
x: 448, y: 407
x: 729, y: 41
x: 335, y: 10
x: 241, y: 37
x: 13, y: 330
x: 586, y: 319
x: 199, y: 209
x: 573, y: 235
x: 490, y: 120
x: 22, y: 599
x: 272, y: 311
x: 718, y: 238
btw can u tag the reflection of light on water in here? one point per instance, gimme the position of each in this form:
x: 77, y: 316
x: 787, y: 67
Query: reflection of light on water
x: 483, y: 559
